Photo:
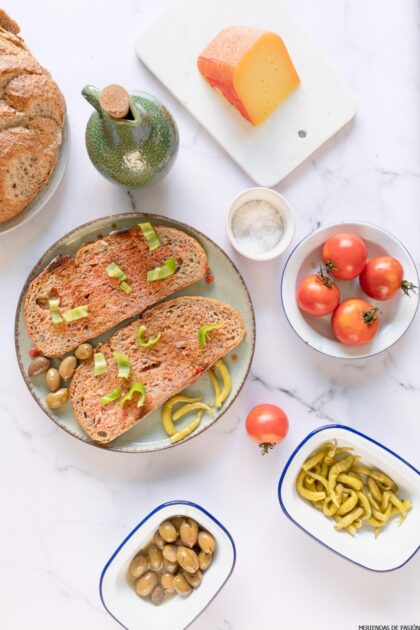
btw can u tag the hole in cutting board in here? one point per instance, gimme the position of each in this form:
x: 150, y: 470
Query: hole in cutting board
x: 302, y: 133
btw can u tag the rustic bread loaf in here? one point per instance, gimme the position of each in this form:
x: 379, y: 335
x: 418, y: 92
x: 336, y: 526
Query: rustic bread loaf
x: 83, y: 280
x: 165, y: 369
x: 30, y: 100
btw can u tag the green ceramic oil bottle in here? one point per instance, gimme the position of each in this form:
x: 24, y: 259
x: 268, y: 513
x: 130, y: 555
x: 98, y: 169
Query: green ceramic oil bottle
x: 134, y: 150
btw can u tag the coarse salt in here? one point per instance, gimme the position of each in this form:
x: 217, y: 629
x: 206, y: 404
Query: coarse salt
x: 257, y: 226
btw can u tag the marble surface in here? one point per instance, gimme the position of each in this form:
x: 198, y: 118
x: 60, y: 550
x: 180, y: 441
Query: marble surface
x: 66, y: 506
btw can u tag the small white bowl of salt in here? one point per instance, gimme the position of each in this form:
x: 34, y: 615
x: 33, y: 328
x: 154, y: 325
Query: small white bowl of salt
x: 260, y: 224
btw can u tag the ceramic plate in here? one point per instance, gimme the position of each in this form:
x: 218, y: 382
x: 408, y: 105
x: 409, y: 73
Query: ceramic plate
x: 397, y: 314
x: 131, y: 611
x: 228, y: 287
x: 47, y: 191
x: 321, y: 106
x: 396, y: 544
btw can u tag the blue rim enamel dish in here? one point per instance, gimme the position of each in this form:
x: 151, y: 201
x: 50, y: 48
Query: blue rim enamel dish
x: 134, y: 613
x: 396, y: 544
x: 396, y: 314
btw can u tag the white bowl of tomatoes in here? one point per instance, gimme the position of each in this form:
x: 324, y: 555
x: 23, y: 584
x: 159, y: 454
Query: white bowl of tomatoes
x: 349, y: 290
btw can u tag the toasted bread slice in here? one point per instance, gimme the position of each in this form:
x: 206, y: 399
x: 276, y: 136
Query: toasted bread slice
x: 83, y: 280
x: 24, y: 167
x: 165, y: 369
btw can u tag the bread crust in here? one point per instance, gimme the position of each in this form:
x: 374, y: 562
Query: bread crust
x: 83, y: 280
x: 8, y: 23
x: 165, y: 369
x: 30, y: 100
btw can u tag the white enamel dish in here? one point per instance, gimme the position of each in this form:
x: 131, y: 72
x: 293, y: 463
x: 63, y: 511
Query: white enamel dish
x: 316, y: 111
x: 396, y: 544
x: 134, y: 613
x: 227, y: 286
x: 397, y: 313
x: 48, y: 190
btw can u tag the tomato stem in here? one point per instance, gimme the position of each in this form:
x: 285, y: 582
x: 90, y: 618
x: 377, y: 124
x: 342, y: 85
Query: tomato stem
x: 370, y: 316
x: 265, y: 447
x: 323, y: 277
x: 407, y: 286
x: 329, y: 265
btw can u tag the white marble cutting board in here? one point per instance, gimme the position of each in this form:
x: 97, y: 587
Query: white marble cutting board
x: 319, y: 108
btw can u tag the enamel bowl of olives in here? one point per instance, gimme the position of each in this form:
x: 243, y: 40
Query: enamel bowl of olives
x: 168, y: 569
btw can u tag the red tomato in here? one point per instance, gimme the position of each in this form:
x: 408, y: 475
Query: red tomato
x: 355, y: 322
x: 383, y: 277
x: 344, y: 255
x: 317, y: 295
x: 267, y: 425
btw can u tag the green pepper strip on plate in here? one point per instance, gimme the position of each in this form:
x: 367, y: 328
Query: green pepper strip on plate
x: 150, y: 235
x: 150, y: 342
x: 123, y: 363
x: 138, y: 388
x: 159, y: 273
x: 111, y: 397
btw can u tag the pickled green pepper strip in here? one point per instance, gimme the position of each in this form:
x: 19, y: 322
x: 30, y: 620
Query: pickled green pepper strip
x: 127, y: 288
x: 135, y: 388
x: 204, y: 331
x: 123, y: 363
x: 114, y: 271
x: 79, y: 312
x: 150, y: 235
x: 188, y: 429
x: 111, y: 397
x: 150, y: 342
x: 55, y: 313
x: 99, y: 364
x: 159, y: 273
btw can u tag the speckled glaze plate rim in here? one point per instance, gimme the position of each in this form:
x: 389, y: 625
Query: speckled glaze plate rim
x: 112, y: 219
x: 47, y: 191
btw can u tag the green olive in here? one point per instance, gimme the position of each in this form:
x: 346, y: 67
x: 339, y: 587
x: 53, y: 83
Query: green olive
x: 38, y: 366
x: 194, y: 579
x: 52, y: 379
x: 167, y: 582
x: 170, y: 567
x: 168, y: 531
x: 181, y: 585
x: 169, y: 552
x: 189, y: 532
x: 84, y: 351
x: 157, y: 595
x: 138, y: 566
x: 206, y: 542
x: 67, y: 367
x: 57, y: 399
x: 158, y: 541
x: 146, y: 584
x: 155, y: 557
x: 177, y: 522
x: 187, y: 559
x: 204, y: 560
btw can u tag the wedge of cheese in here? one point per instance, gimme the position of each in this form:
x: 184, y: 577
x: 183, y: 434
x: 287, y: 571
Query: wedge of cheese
x: 252, y: 69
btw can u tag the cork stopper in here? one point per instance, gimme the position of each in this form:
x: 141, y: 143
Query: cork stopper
x: 115, y: 101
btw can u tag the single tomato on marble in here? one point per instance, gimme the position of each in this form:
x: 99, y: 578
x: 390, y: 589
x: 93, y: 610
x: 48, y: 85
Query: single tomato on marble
x: 267, y: 425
